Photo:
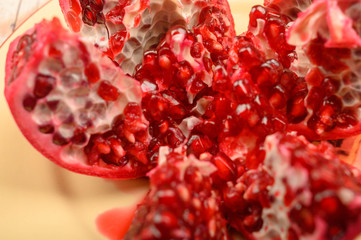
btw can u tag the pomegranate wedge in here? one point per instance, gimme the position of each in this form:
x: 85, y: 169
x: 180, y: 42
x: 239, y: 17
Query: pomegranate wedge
x: 74, y: 105
x: 328, y: 44
x: 300, y: 191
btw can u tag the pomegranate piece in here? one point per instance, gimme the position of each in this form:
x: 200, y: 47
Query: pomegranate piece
x: 181, y: 203
x: 74, y: 105
x: 332, y: 77
x: 299, y: 191
x: 316, y: 94
x: 126, y: 29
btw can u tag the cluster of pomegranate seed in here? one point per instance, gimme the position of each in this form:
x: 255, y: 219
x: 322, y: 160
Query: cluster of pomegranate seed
x: 181, y: 203
x: 221, y: 124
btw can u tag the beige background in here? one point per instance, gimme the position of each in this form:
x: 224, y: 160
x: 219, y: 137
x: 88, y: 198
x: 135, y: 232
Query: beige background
x: 39, y: 200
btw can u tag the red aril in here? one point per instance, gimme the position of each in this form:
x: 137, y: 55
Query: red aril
x: 74, y: 105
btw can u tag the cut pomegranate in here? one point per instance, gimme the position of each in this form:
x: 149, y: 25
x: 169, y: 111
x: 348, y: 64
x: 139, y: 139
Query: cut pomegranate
x: 125, y: 29
x: 299, y: 191
x: 181, y: 203
x: 74, y: 105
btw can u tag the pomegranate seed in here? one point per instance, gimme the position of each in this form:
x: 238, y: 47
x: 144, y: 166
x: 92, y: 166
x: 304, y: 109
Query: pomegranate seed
x: 199, y: 144
x: 346, y: 119
x: 226, y: 168
x: 92, y: 73
x: 46, y: 128
x: 165, y: 62
x: 165, y: 220
x: 116, y: 14
x: 54, y: 52
x: 297, y: 110
x: 107, y: 91
x: 207, y: 63
x: 257, y: 12
x: 89, y: 17
x: 43, y: 85
x: 304, y: 218
x: 75, y: 6
x: 97, y: 5
x: 117, y: 41
x: 175, y: 137
x: 73, y: 20
x: 314, y: 77
x: 196, y: 50
x: 29, y: 103
x: 58, y: 139
x: 185, y: 72
x: 79, y: 137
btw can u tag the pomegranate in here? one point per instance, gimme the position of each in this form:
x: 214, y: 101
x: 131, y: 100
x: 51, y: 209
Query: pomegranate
x: 181, y: 203
x: 74, y: 105
x: 125, y: 29
x: 300, y: 191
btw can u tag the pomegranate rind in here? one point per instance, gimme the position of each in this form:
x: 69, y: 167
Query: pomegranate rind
x: 15, y: 90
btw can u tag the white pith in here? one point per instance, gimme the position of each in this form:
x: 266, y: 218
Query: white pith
x: 78, y: 98
x: 154, y: 23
